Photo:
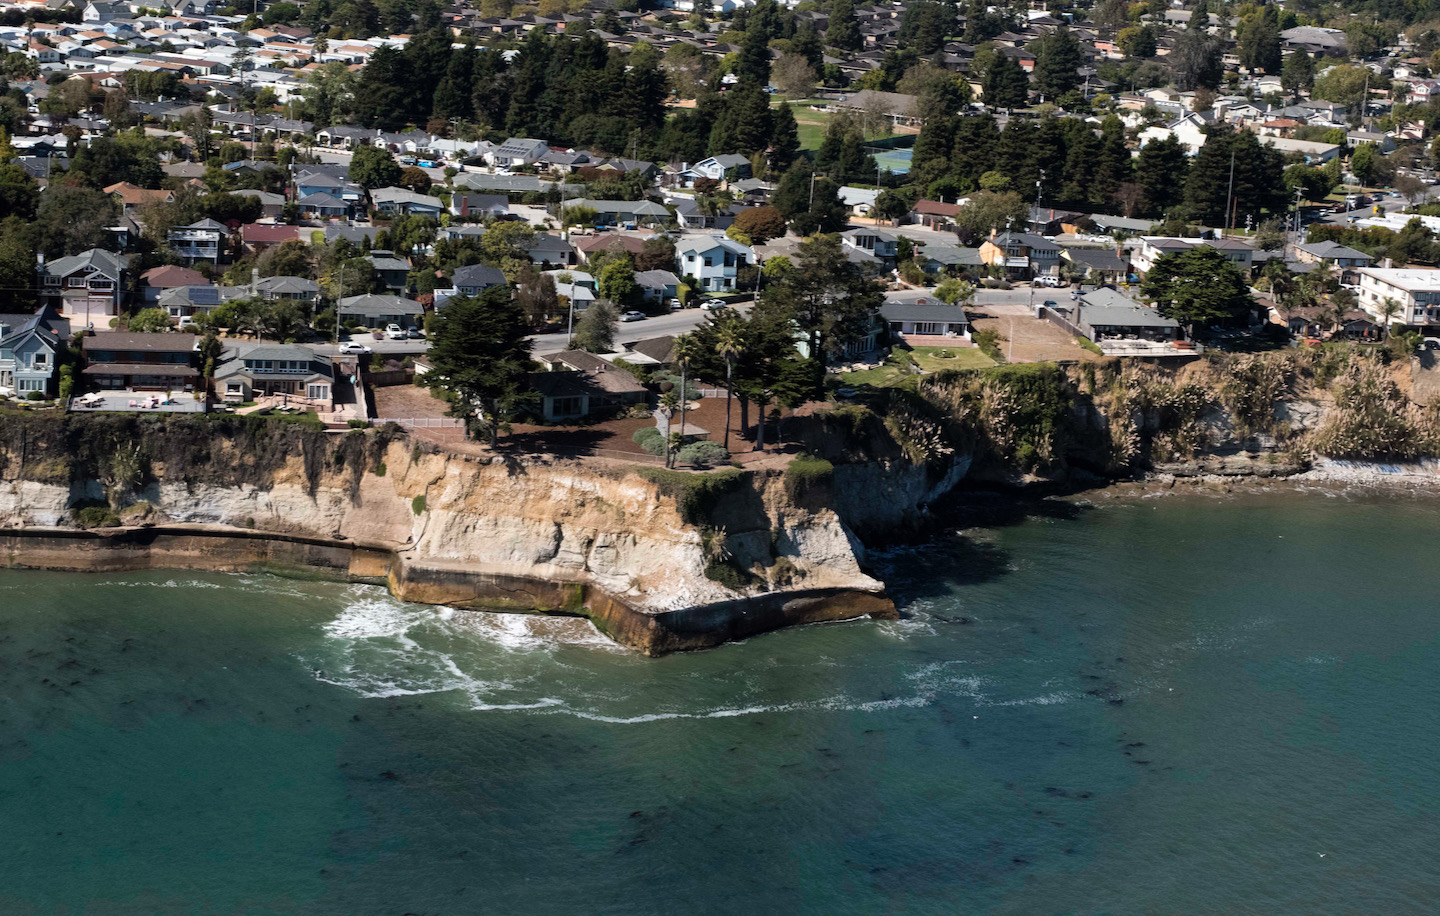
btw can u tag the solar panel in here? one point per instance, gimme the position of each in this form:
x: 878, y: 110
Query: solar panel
x: 204, y: 295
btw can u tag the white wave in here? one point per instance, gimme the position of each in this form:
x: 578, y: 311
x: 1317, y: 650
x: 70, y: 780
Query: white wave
x: 832, y: 704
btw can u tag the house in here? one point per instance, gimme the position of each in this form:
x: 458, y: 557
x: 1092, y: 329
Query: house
x: 629, y: 213
x: 1106, y: 315
x: 1189, y: 129
x: 272, y: 206
x: 293, y: 289
x: 859, y: 201
x: 132, y: 196
x: 287, y: 370
x: 1347, y: 260
x: 183, y: 301
x: 571, y: 394
x: 1101, y: 266
x: 949, y: 259
x: 714, y: 261
x: 883, y: 245
x: 488, y: 206
x: 323, y: 206
x: 404, y: 201
x: 157, y: 280
x: 393, y: 272
x: 652, y: 351
x: 1416, y: 290
x: 258, y: 236
x: 934, y: 214
x: 609, y: 241
x: 160, y: 361
x: 476, y: 278
x: 550, y: 249
x: 30, y: 348
x: 518, y: 151
x: 201, y: 241
x: 720, y: 168
x: 1022, y: 254
x: 90, y: 284
x: 925, y: 317
x: 1383, y: 143
x: 690, y: 215
x: 376, y: 311
x: 1312, y: 152
x: 657, y: 285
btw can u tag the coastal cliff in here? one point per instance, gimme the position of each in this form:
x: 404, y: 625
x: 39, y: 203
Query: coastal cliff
x: 660, y: 560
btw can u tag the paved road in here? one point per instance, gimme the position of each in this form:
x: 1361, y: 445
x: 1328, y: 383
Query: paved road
x: 675, y: 323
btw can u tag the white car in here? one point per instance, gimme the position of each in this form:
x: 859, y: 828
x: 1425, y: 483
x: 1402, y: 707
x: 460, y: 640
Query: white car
x: 394, y: 332
x: 633, y: 316
x: 711, y: 305
x: 356, y: 348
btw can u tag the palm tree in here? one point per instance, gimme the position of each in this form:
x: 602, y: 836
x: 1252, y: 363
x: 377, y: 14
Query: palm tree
x: 1389, y: 308
x: 729, y: 345
x: 684, y: 352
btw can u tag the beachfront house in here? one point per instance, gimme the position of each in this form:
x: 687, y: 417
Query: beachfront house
x: 292, y: 372
x: 134, y: 361
x: 30, y: 348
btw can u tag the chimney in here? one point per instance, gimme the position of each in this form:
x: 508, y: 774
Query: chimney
x: 254, y: 281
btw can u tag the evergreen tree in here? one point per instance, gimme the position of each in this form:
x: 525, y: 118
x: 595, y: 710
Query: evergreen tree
x: 1161, y: 170
x: 754, y: 62
x: 1257, y: 189
x: 1113, y: 165
x: 1081, y: 161
x: 829, y: 298
x: 1195, y: 59
x: 479, y: 352
x: 1298, y: 73
x: 1007, y: 85
x: 792, y: 194
x: 925, y: 24
x: 381, y: 94
x: 936, y: 140
x: 784, y: 138
x: 977, y: 140
x: 1057, y: 62
x: 1197, y: 287
x: 1259, y: 37
x: 806, y: 44
x: 843, y: 32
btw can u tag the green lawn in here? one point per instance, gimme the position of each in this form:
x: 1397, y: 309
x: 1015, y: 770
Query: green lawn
x: 901, y: 364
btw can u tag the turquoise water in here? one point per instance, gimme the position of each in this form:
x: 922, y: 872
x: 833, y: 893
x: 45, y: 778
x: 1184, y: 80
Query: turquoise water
x: 1157, y: 706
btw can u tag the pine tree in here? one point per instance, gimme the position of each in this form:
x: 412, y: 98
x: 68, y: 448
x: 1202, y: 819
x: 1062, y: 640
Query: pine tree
x: 754, y: 62
x: 1161, y: 170
x: 1259, y: 37
x: 784, y: 139
x: 976, y: 142
x: 1113, y: 165
x: 1057, y: 62
x: 1298, y: 72
x: 843, y: 31
x: 936, y: 140
x: 792, y: 195
x: 1007, y: 85
x: 479, y: 352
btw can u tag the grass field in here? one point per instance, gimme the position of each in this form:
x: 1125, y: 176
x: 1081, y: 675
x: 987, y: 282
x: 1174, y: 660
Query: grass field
x: 902, y: 364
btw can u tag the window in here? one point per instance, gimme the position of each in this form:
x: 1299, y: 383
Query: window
x: 318, y: 392
x: 565, y: 407
x: 708, y: 261
x: 929, y: 327
x: 39, y: 359
x: 52, y: 281
x: 75, y: 282
x: 31, y: 384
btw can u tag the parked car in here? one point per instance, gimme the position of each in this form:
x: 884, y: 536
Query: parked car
x: 674, y: 304
x: 1052, y: 282
x: 415, y: 334
x: 187, y: 321
x: 356, y: 348
x: 633, y: 316
x: 711, y: 305
x: 394, y: 332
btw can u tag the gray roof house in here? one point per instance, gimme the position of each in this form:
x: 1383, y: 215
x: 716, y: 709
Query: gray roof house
x: 925, y: 316
x: 298, y: 374
x: 475, y: 279
x: 29, y: 345
x: 90, y: 283
x: 519, y: 151
x: 406, y: 201
x: 375, y: 310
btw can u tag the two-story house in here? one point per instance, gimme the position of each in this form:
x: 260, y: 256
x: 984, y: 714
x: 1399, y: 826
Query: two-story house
x: 1347, y: 261
x: 476, y: 206
x: 86, y: 286
x: 287, y: 370
x: 1022, y: 255
x: 476, y: 278
x: 376, y: 311
x: 204, y: 241
x: 714, y: 261
x: 1416, y: 290
x: 294, y: 289
x: 883, y: 245
x: 159, y: 361
x: 657, y: 285
x: 30, y: 346
x: 393, y: 271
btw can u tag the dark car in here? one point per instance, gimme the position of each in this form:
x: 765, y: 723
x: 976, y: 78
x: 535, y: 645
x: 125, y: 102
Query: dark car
x: 415, y: 334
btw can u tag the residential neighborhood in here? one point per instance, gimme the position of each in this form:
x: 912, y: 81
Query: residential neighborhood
x: 251, y: 209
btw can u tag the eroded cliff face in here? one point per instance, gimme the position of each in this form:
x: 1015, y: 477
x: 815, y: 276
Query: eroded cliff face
x: 526, y: 530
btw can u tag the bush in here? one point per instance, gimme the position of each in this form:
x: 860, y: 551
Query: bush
x: 358, y: 424
x: 805, y: 472
x: 97, y: 517
x: 35, y: 396
x: 650, y: 439
x: 417, y: 505
x: 988, y: 340
x: 380, y: 469
x: 694, y: 494
x: 704, y: 453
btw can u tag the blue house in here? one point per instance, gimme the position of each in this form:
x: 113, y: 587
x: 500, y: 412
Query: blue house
x: 29, y: 348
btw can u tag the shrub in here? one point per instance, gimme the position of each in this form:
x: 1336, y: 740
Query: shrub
x: 35, y: 396
x: 417, y: 505
x: 704, y: 453
x: 805, y: 472
x: 650, y: 439
x: 358, y: 424
x: 694, y: 494
x: 380, y: 469
x: 988, y: 340
x: 97, y: 517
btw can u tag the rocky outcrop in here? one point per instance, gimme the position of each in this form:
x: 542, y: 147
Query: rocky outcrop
x: 661, y: 561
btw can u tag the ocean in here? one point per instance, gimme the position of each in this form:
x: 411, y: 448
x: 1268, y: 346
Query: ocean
x: 1196, y: 704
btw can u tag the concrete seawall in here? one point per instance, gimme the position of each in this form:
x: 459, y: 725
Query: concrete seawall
x: 227, y: 549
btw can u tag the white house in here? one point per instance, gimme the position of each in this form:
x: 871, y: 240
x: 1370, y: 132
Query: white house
x: 1416, y: 290
x: 714, y: 261
x: 518, y: 151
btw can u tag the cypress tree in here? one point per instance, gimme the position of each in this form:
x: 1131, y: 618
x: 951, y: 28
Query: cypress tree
x: 1007, y: 85
x: 784, y: 139
x: 843, y: 31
